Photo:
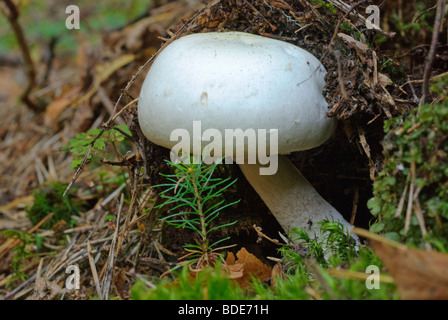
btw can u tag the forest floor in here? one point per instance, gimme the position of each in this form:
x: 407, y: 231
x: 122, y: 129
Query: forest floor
x: 68, y: 125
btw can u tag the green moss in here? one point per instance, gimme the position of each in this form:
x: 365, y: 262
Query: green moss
x: 327, y: 6
x: 392, y: 68
x: 418, y: 139
x: 21, y: 253
x: 209, y: 284
x: 48, y: 199
x: 298, y: 282
x: 212, y: 284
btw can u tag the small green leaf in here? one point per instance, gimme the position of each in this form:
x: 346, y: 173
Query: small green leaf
x: 377, y: 227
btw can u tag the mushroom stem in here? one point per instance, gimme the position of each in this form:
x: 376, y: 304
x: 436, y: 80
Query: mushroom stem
x: 291, y: 198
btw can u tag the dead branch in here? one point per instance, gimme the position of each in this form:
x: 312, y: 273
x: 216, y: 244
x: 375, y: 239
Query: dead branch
x: 13, y: 14
x: 432, y: 51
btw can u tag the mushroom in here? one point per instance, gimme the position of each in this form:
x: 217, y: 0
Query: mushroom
x: 236, y: 80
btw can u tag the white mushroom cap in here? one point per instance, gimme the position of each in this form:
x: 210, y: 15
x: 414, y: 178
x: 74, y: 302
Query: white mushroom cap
x: 236, y: 80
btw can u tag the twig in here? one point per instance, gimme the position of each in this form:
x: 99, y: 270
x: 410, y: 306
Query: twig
x: 106, y: 282
x: 128, y: 220
x: 409, y: 209
x: 105, y: 127
x: 375, y: 68
x: 432, y: 51
x: 357, y: 275
x: 94, y: 273
x: 338, y: 25
x: 410, y: 200
x: 412, y: 90
x: 421, y: 220
x: 421, y: 80
x: 13, y: 15
x: 147, y: 282
x: 337, y: 54
x: 275, y: 241
x: 355, y: 205
x: 80, y: 229
x: 375, y: 237
x: 61, y: 259
x: 402, y: 199
x: 81, y: 166
x: 20, y: 287
x: 425, y: 11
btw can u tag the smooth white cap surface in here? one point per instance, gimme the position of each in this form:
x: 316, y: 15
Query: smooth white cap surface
x: 236, y: 80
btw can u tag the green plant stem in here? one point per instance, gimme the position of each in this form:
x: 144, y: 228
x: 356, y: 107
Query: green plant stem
x: 200, y: 212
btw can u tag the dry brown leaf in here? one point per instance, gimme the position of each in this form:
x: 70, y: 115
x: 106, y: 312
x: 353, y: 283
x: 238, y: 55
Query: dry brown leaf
x: 281, y: 5
x: 103, y: 72
x: 120, y: 281
x: 248, y: 265
x: 354, y: 43
x: 235, y: 270
x: 230, y: 258
x: 418, y: 274
x: 277, y: 273
x: 205, y: 19
x: 55, y: 108
x: 384, y: 79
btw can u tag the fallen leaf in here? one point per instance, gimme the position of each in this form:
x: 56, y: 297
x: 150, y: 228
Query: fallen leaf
x: 120, y: 281
x: 281, y: 5
x: 55, y: 108
x: 354, y: 43
x: 277, y: 273
x: 249, y: 266
x: 384, y: 79
x: 230, y: 258
x: 418, y: 274
x: 103, y: 72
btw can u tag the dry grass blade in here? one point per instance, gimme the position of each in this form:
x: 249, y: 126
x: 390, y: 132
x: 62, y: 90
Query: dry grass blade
x: 108, y: 273
x: 94, y: 273
x: 402, y: 199
x: 11, y: 243
x: 357, y: 275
